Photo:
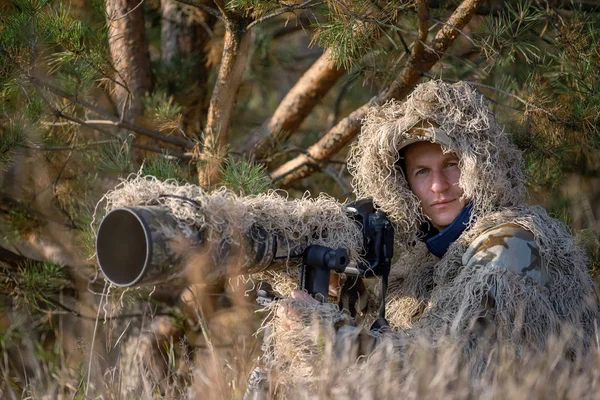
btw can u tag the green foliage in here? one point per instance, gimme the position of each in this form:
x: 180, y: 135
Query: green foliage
x: 347, y: 44
x: 163, y: 109
x: 50, y: 36
x: 115, y: 157
x: 86, y: 237
x: 164, y: 168
x: 175, y: 76
x: 42, y: 277
x: 82, y: 51
x: 511, y: 35
x: 34, y: 283
x: 34, y: 107
x: 17, y: 224
x: 13, y: 137
x: 245, y: 177
x: 559, y: 208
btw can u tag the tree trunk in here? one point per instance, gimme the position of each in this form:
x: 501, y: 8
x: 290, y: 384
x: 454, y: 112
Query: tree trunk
x: 186, y: 32
x: 129, y: 52
x: 236, y: 53
x: 321, y: 152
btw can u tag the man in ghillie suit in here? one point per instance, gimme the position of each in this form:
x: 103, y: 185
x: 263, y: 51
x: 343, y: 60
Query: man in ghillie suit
x: 475, y: 262
x: 475, y: 265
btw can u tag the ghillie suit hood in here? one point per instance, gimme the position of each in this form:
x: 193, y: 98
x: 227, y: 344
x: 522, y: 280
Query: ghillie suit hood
x: 439, y: 296
x: 455, y: 116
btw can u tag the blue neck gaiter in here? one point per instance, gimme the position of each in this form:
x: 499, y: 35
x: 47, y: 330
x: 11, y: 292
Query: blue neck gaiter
x: 438, y: 242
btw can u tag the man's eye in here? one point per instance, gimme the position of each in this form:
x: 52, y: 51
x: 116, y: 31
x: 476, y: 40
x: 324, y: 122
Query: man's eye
x: 420, y: 171
x: 452, y: 164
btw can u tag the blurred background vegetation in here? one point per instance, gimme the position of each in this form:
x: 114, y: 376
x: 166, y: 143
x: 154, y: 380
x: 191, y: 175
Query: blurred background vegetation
x: 253, y: 95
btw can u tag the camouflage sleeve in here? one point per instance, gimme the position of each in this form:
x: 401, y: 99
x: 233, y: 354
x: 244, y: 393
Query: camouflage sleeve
x: 512, y: 248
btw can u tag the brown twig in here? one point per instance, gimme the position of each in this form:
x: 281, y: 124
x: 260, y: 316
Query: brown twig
x: 289, y: 28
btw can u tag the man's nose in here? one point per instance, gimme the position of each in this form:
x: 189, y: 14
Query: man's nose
x: 439, y: 183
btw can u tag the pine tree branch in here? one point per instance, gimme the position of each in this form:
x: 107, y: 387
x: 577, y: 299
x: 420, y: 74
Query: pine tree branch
x: 110, y: 119
x: 310, y: 89
x: 185, y: 38
x: 469, y: 38
x: 11, y: 263
x: 514, y: 96
x: 286, y: 9
x: 162, y: 151
x: 318, y: 154
x: 223, y: 10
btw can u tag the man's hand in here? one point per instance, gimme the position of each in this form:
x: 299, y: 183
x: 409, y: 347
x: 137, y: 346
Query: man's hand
x: 289, y: 313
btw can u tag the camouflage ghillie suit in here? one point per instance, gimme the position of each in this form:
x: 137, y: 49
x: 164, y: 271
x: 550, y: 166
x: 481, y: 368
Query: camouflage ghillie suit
x: 513, y: 266
x: 514, y: 275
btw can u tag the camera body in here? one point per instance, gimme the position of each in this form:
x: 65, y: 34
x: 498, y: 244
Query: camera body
x: 376, y: 254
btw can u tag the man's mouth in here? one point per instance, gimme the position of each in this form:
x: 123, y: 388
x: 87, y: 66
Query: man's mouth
x: 442, y: 203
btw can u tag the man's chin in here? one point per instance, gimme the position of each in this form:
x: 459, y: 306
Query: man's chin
x: 445, y: 219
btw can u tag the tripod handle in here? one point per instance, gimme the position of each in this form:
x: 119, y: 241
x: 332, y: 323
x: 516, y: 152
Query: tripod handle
x: 318, y: 262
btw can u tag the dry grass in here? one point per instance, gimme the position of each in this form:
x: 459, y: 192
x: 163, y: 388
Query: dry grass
x: 211, y: 358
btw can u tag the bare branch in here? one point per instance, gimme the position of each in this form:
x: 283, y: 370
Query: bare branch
x: 469, y: 38
x: 310, y: 89
x: 222, y: 9
x: 289, y: 28
x: 162, y: 151
x: 318, y: 154
x: 339, y: 179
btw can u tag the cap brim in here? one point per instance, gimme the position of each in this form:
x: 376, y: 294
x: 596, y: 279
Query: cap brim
x: 434, y: 135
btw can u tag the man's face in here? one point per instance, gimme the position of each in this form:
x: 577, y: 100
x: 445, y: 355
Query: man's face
x: 433, y: 177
